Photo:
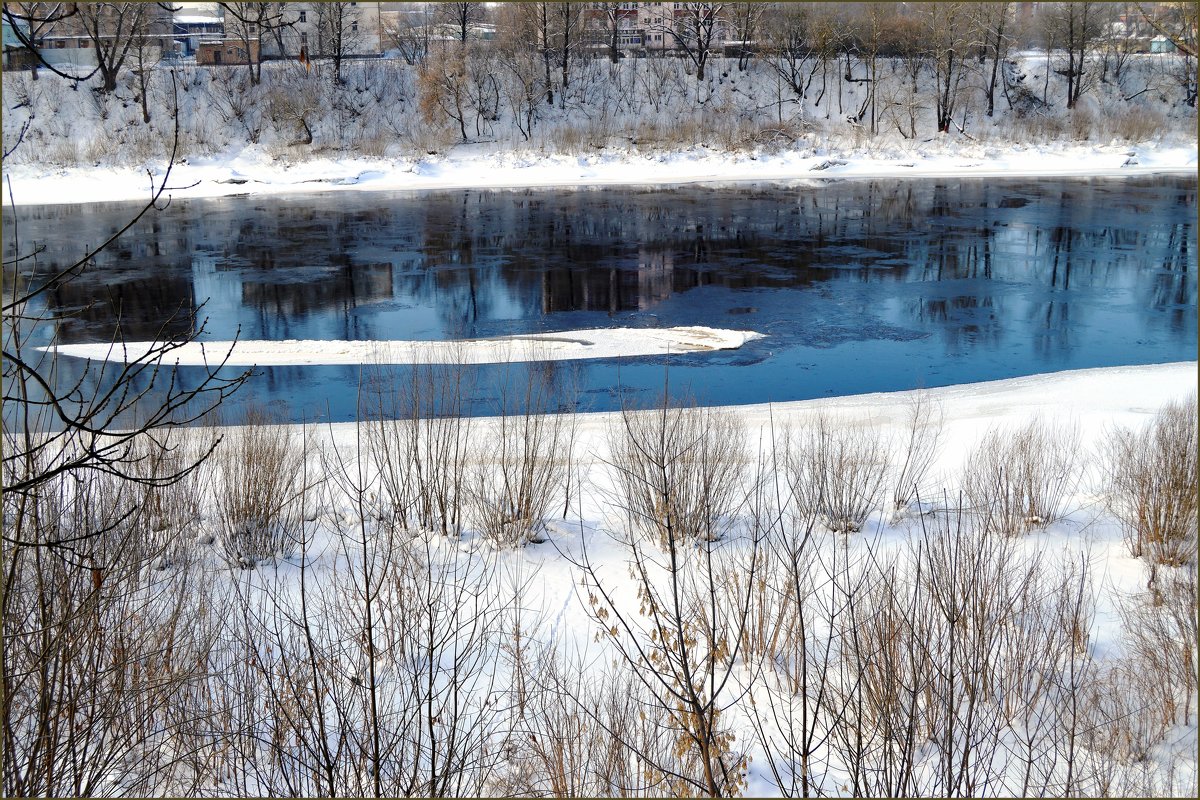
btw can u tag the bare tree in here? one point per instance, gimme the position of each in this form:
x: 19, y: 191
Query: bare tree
x: 868, y: 30
x: 29, y: 22
x: 610, y: 16
x: 745, y: 22
x: 792, y: 47
x: 993, y: 21
x: 806, y: 584
x: 1076, y: 27
x: 99, y: 655
x: 565, y: 35
x: 694, y: 29
x: 947, y: 33
x: 461, y: 16
x: 251, y: 23
x: 529, y: 83
x: 147, y: 55
x: 682, y: 648
x: 443, y: 85
x: 1176, y: 21
x: 1180, y: 23
x: 96, y: 420
x: 683, y: 645
x: 113, y: 29
x: 409, y: 33
x: 338, y: 33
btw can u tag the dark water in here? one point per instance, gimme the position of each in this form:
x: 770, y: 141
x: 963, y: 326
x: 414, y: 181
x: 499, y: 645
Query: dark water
x: 860, y: 286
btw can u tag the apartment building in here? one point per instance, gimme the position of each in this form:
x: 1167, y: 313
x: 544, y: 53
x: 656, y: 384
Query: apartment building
x: 314, y: 27
x: 655, y: 27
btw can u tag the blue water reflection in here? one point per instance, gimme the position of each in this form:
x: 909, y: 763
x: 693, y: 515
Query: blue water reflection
x: 860, y: 286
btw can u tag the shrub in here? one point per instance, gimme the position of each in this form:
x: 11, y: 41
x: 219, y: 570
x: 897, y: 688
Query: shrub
x: 918, y: 449
x: 1018, y: 481
x: 517, y: 478
x: 1153, y: 483
x: 677, y: 469
x: 837, y: 471
x: 260, y: 490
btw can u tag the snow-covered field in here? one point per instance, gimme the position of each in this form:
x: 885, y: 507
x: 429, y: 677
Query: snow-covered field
x: 557, y: 617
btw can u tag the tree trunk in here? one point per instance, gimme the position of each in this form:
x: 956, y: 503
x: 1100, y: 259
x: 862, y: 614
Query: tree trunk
x: 145, y: 105
x: 546, y: 56
x: 566, y: 53
x: 991, y: 92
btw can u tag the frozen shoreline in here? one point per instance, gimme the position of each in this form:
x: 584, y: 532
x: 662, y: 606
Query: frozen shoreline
x: 252, y: 173
x: 1094, y: 398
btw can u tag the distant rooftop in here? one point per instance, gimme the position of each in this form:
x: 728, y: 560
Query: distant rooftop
x: 197, y: 19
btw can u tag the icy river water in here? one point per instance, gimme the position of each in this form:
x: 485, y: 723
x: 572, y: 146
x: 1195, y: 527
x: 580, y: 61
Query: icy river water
x: 859, y: 286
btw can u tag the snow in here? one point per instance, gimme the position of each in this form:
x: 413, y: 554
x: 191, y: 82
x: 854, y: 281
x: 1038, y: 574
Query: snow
x: 254, y: 173
x: 1095, y: 400
x: 609, y: 129
x: 558, y: 346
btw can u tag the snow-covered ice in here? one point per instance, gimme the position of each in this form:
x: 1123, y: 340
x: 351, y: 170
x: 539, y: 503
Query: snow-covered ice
x: 559, y: 346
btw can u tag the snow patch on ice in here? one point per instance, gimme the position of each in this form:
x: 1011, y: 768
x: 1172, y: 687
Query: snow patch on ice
x: 559, y: 346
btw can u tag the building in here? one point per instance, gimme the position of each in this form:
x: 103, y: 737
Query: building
x: 227, y: 51
x: 190, y: 29
x: 653, y: 27
x: 308, y: 27
x: 14, y: 50
x: 71, y: 42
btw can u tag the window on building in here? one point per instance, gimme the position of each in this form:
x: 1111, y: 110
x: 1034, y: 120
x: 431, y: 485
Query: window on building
x: 354, y: 27
x: 60, y: 44
x: 303, y: 38
x: 303, y: 16
x: 253, y: 30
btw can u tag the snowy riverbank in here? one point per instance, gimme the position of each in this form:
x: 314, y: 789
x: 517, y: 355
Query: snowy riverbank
x: 1092, y: 402
x: 253, y: 172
